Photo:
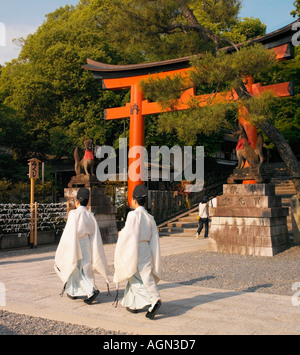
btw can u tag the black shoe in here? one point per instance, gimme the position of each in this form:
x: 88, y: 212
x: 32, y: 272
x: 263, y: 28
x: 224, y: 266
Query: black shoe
x: 72, y: 297
x: 89, y: 300
x: 155, y: 309
x: 131, y: 310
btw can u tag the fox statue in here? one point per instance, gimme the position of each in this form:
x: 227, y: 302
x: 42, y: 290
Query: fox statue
x: 86, y: 164
x: 245, y: 152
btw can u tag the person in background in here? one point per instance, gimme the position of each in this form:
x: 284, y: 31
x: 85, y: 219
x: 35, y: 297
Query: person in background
x: 203, y: 218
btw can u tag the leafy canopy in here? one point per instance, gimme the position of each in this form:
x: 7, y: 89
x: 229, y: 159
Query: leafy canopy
x: 53, y: 104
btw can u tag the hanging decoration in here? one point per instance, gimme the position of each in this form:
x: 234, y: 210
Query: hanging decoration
x: 16, y: 218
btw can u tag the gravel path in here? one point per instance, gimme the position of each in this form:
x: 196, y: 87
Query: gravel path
x: 213, y: 270
x: 235, y: 272
x: 15, y: 324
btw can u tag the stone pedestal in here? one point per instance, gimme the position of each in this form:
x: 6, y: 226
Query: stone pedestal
x: 249, y: 220
x: 255, y: 173
x: 83, y: 180
x: 99, y: 204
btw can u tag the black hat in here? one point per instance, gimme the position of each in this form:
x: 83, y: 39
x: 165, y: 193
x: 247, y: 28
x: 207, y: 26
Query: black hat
x: 83, y: 194
x: 140, y: 191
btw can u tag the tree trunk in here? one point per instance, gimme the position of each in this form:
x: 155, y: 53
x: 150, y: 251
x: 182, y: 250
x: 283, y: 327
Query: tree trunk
x: 195, y: 25
x: 193, y: 22
x: 285, y: 151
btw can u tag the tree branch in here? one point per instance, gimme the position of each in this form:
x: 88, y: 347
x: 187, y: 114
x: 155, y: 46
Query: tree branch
x: 195, y: 25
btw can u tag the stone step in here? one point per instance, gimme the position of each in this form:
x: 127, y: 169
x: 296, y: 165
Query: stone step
x: 286, y: 189
x: 183, y: 224
x: 176, y: 230
x: 188, y: 219
x: 187, y: 235
x: 286, y: 199
x: 286, y: 193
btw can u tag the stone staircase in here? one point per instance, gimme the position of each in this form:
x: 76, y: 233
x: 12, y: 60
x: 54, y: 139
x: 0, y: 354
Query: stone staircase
x: 185, y: 225
x: 286, y: 189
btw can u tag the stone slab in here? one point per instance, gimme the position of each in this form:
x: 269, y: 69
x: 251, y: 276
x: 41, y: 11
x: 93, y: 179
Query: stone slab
x: 83, y: 180
x: 249, y: 201
x: 251, y: 221
x: 265, y: 251
x: 249, y: 190
x: 251, y: 212
x: 256, y: 173
x: 248, y: 231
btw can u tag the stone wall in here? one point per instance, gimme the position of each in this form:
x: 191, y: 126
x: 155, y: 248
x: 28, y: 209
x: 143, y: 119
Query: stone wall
x: 21, y: 240
x: 101, y: 206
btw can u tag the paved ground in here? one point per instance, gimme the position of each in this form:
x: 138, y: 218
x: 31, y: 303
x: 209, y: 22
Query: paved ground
x: 32, y: 288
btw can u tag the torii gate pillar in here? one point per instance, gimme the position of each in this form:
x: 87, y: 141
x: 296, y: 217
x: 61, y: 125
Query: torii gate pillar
x: 136, y: 131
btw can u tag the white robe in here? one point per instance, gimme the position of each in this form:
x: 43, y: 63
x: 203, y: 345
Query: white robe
x: 137, y: 259
x: 80, y: 250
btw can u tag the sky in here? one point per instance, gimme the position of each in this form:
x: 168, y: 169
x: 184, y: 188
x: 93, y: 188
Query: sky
x: 18, y: 18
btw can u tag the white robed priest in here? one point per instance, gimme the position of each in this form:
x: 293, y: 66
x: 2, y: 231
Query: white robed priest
x: 80, y: 252
x: 137, y: 258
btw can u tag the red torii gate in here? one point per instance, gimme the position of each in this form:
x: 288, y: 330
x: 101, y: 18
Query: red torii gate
x: 117, y: 77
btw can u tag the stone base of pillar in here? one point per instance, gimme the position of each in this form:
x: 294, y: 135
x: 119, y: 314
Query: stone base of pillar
x: 249, y: 220
x: 254, y: 174
x: 99, y: 204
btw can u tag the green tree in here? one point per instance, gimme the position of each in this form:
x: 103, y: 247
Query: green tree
x: 157, y: 30
x: 58, y: 103
x: 247, y: 28
x: 296, y: 12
